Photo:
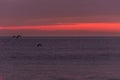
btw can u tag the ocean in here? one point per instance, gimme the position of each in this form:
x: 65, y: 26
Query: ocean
x: 60, y: 58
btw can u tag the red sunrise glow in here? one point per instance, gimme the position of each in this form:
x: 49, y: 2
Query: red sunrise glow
x: 112, y: 27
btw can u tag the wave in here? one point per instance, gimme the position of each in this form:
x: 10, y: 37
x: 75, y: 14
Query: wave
x: 66, y: 57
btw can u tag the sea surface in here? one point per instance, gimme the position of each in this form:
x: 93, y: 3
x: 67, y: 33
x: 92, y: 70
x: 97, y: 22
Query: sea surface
x: 60, y: 58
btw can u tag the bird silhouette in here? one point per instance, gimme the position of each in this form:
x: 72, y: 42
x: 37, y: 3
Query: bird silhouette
x: 18, y: 36
x: 39, y: 45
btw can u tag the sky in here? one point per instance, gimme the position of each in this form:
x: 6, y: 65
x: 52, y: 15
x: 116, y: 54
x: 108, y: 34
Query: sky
x: 60, y: 17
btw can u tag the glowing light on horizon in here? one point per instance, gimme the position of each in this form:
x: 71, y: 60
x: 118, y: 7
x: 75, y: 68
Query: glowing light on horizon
x: 114, y: 27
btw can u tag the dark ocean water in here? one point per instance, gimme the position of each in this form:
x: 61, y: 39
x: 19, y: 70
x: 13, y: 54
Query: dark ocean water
x: 60, y: 58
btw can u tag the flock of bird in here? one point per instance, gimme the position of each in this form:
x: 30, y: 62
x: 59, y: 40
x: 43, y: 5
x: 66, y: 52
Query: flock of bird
x: 19, y: 36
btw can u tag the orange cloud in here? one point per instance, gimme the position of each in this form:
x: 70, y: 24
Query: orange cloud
x: 110, y: 27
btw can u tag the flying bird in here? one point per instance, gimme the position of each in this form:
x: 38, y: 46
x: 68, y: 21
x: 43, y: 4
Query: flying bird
x: 18, y: 36
x: 39, y: 45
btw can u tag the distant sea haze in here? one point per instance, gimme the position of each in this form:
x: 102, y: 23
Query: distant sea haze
x: 60, y: 58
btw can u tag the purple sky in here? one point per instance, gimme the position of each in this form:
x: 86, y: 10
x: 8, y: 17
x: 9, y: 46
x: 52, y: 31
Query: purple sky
x: 37, y: 12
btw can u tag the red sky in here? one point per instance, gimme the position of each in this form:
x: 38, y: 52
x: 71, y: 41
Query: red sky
x: 86, y: 27
x: 108, y: 27
x: 59, y: 17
